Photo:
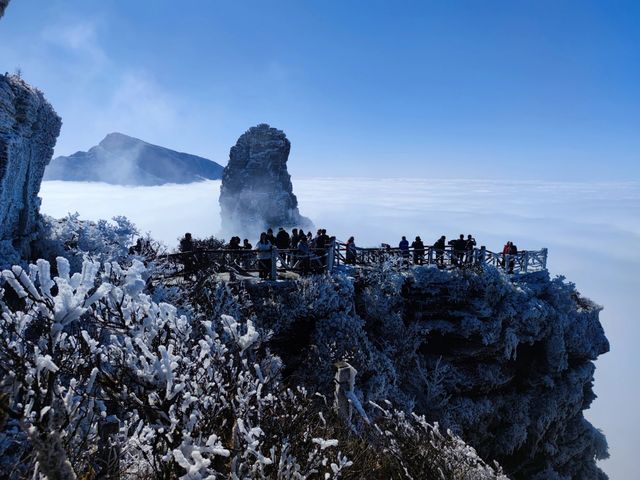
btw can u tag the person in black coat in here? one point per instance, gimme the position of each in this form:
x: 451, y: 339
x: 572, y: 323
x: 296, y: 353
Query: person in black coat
x: 459, y: 246
x: 294, y: 238
x: 270, y: 238
x: 439, y: 247
x: 471, y: 244
x: 513, y: 251
x: 418, y: 251
x: 283, y: 240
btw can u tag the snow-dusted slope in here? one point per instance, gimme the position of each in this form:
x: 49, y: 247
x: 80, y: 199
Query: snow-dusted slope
x: 28, y: 130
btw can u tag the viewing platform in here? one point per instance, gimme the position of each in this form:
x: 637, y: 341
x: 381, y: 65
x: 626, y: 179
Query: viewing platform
x: 282, y: 262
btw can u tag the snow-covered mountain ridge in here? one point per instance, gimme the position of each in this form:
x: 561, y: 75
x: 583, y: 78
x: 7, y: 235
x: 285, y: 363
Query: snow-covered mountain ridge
x: 123, y: 160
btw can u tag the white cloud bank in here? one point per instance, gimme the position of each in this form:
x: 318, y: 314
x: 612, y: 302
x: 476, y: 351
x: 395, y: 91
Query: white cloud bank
x: 592, y: 232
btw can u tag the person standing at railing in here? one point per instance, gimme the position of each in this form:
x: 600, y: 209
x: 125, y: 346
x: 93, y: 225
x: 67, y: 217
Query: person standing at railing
x: 351, y: 254
x: 439, y: 247
x: 321, y: 242
x: 234, y: 244
x: 513, y: 251
x: 303, y: 254
x: 418, y: 251
x: 505, y: 252
x: 186, y: 243
x: 186, y: 247
x: 404, y: 246
x: 246, y: 257
x: 283, y: 242
x: 459, y: 246
x: 469, y: 247
x: 294, y: 238
x: 264, y: 247
x: 270, y: 238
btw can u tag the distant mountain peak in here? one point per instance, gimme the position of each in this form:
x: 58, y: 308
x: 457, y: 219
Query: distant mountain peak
x: 124, y: 160
x: 119, y: 141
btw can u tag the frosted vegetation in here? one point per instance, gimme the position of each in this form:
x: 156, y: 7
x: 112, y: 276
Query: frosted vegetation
x: 107, y: 368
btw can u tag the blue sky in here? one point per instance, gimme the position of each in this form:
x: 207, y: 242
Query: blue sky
x: 514, y: 89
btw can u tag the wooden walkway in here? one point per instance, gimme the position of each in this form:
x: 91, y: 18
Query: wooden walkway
x: 246, y: 263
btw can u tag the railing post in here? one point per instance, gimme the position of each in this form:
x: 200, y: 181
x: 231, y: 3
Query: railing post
x: 482, y: 254
x: 108, y: 455
x: 331, y: 254
x: 274, y: 266
x: 430, y: 256
x: 544, y: 258
x: 345, y: 380
x: 526, y: 261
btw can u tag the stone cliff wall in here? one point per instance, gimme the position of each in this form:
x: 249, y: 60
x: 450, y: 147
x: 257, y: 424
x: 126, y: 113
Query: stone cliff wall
x: 28, y: 130
x: 3, y: 6
x: 507, y: 364
x: 256, y: 191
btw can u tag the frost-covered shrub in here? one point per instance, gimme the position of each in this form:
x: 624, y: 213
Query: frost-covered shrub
x: 192, y: 399
x: 76, y: 239
x: 401, y: 445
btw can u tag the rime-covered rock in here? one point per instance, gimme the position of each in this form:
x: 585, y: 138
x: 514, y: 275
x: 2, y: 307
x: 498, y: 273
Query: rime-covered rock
x: 3, y: 6
x: 28, y: 130
x: 506, y: 363
x: 256, y: 191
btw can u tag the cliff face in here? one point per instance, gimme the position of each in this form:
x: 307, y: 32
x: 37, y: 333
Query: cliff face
x: 28, y: 130
x: 122, y: 160
x: 256, y: 191
x: 3, y: 6
x: 506, y: 364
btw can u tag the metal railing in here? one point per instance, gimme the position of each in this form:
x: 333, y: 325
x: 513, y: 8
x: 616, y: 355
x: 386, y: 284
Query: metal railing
x: 248, y: 262
x: 522, y: 262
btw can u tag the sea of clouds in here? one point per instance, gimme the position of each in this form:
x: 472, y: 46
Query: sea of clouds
x: 592, y: 231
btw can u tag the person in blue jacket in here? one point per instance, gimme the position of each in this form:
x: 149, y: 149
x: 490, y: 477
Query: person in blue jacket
x: 404, y: 247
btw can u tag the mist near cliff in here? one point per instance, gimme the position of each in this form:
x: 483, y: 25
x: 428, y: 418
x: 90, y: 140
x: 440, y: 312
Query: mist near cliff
x: 592, y: 231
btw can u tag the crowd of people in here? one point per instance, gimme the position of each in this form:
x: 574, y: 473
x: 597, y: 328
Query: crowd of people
x: 303, y: 251
x: 307, y: 252
x: 463, y: 251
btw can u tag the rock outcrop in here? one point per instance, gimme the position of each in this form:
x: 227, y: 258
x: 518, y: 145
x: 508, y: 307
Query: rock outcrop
x: 507, y: 363
x: 3, y: 6
x: 29, y: 128
x: 256, y: 191
x: 123, y: 160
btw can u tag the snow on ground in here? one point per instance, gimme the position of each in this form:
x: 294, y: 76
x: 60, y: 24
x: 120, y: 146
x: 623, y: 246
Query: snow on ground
x: 592, y: 231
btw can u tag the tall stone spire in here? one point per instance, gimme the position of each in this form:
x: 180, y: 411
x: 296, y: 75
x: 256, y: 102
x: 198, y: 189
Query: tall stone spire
x: 256, y: 191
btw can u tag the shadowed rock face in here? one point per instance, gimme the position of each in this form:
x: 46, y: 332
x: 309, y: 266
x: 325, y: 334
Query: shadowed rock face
x: 28, y: 130
x: 123, y: 160
x: 256, y: 191
x: 505, y: 362
x: 3, y: 6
